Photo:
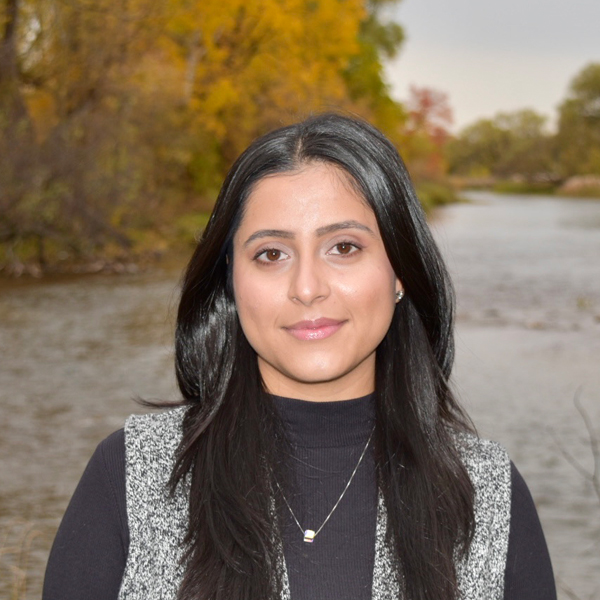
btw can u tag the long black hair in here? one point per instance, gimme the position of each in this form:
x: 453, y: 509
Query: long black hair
x: 231, y: 433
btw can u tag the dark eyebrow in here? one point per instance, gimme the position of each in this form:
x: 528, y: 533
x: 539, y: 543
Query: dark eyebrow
x: 281, y: 233
x: 344, y: 225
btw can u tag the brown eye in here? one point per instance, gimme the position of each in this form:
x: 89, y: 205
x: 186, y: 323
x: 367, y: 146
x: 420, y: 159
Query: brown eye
x: 345, y: 249
x: 270, y: 255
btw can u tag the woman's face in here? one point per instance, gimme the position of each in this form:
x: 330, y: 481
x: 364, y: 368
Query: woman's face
x: 314, y: 289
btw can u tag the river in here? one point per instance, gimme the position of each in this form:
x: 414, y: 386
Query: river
x: 76, y: 351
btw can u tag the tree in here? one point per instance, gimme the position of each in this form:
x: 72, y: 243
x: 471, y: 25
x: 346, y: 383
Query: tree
x: 510, y: 144
x: 578, y: 138
x: 117, y: 118
x: 378, y: 39
x: 263, y: 64
x: 427, y: 132
x: 12, y: 106
x: 81, y: 179
x: 18, y: 156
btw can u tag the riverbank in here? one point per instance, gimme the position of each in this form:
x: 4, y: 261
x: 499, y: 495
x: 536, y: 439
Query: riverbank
x: 151, y: 250
x: 586, y: 186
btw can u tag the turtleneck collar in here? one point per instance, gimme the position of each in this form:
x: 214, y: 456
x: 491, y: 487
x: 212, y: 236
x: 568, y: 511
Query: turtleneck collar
x: 327, y: 424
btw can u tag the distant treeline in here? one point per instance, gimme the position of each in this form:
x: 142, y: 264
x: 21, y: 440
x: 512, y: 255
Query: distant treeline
x: 519, y: 150
x: 118, y: 120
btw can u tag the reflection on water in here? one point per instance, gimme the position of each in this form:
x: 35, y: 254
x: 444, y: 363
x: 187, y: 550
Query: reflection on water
x: 527, y: 272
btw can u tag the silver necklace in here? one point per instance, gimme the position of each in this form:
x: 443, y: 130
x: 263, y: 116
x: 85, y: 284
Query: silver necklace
x: 311, y: 534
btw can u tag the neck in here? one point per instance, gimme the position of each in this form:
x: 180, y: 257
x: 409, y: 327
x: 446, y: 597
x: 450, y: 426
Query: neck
x: 356, y: 384
x: 327, y: 424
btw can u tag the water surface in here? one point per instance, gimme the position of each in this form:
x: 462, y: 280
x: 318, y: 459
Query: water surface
x: 527, y: 273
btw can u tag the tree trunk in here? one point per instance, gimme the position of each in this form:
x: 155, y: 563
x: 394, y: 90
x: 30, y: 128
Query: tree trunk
x: 13, y: 110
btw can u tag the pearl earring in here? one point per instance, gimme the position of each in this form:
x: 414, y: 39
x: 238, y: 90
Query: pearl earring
x: 399, y: 295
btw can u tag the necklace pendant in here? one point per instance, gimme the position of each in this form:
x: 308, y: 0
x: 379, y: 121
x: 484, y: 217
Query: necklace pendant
x: 309, y: 536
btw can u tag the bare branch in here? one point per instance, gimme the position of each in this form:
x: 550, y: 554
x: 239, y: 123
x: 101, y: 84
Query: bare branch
x: 569, y: 457
x: 566, y: 589
x: 594, y: 441
x: 592, y: 476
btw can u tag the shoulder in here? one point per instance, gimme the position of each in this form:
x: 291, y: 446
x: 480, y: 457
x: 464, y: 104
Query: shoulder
x: 112, y: 448
x: 109, y: 460
x: 475, y: 450
x: 487, y: 463
x: 159, y: 431
x: 89, y: 552
x: 489, y: 468
x: 151, y: 443
x: 158, y: 421
x: 529, y: 568
x: 104, y: 474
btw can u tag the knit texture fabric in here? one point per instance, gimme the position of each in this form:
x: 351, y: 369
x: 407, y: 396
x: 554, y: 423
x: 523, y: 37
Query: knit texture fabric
x: 157, y: 521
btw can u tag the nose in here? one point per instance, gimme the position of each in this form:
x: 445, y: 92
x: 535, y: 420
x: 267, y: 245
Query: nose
x: 308, y: 281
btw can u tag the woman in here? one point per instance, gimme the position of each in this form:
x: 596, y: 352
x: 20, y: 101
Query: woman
x: 318, y: 451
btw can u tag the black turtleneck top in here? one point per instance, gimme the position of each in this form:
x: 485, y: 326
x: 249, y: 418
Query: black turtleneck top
x: 327, y: 440
x: 88, y: 557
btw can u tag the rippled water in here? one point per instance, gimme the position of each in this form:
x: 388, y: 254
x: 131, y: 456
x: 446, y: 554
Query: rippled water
x: 527, y: 272
x: 75, y: 353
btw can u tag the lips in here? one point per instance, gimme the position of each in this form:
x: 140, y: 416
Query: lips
x: 318, y: 329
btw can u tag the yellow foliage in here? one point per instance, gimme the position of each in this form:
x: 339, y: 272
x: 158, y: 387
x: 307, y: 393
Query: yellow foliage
x: 253, y: 64
x: 239, y: 67
x: 139, y: 107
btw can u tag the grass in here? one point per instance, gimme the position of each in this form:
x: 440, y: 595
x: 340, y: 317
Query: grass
x: 433, y: 193
x: 524, y: 187
x: 15, y: 550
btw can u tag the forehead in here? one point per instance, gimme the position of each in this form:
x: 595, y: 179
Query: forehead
x: 307, y: 198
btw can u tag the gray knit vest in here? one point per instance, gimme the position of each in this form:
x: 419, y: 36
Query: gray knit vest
x: 157, y: 522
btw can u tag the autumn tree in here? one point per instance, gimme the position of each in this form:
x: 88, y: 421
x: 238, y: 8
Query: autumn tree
x: 18, y: 155
x: 127, y: 114
x: 257, y: 65
x: 12, y: 106
x: 427, y: 130
x: 83, y: 174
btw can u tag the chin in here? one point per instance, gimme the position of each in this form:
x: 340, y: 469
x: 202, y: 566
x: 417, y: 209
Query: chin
x: 318, y: 373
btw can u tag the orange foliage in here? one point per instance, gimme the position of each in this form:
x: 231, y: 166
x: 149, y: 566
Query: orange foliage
x: 427, y: 131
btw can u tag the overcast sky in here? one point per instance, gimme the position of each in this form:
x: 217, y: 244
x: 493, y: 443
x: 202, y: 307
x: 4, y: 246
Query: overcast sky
x: 495, y: 56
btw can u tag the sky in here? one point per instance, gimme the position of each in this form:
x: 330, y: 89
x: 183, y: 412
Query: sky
x: 492, y: 57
